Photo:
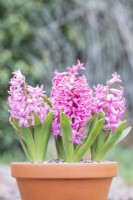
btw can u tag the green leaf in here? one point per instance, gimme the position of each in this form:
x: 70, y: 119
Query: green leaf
x: 37, y: 120
x: 101, y: 115
x: 90, y: 124
x: 43, y: 137
x: 37, y: 127
x: 88, y: 128
x: 109, y: 135
x: 66, y: 135
x: 93, y: 150
x: 124, y: 134
x: 24, y: 147
x: 14, y: 125
x: 100, y: 140
x: 24, y: 143
x: 28, y: 138
x: 111, y: 141
x: 98, y: 144
x: 92, y: 136
x: 60, y: 148
x: 48, y: 101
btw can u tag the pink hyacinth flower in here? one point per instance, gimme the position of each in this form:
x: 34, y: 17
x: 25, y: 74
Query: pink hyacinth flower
x: 25, y: 100
x: 111, y: 101
x: 72, y: 95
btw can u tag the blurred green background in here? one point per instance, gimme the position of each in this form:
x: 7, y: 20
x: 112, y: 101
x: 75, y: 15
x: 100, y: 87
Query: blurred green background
x: 41, y: 36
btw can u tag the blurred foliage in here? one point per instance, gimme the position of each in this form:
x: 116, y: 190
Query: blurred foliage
x: 124, y: 157
x: 41, y: 36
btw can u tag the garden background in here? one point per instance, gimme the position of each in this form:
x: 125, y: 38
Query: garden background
x: 40, y: 36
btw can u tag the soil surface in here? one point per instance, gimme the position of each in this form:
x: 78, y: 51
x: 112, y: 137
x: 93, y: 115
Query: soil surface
x: 9, y: 191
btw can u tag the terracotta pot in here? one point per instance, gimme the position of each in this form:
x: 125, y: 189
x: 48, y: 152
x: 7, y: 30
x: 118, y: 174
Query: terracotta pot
x: 65, y: 181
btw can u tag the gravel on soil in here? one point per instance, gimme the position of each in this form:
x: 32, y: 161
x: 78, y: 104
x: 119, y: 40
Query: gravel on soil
x: 9, y: 190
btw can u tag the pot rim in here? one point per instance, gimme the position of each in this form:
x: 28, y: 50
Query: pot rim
x: 64, y: 170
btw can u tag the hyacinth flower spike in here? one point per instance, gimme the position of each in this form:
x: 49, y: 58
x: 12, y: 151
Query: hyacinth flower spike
x: 31, y: 116
x: 112, y: 103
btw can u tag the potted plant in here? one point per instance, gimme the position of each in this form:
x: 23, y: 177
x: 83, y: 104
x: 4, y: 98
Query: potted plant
x: 81, y: 119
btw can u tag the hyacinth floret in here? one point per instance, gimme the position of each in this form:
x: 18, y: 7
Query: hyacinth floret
x: 72, y: 95
x: 25, y: 100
